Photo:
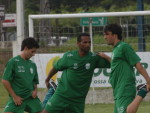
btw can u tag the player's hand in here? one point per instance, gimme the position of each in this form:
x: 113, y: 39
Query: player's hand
x: 34, y: 93
x: 103, y: 55
x: 47, y: 84
x: 18, y: 100
x: 148, y: 86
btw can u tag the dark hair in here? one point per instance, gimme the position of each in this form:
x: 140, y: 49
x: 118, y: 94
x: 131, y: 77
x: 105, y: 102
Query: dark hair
x: 80, y: 35
x: 115, y: 29
x: 29, y: 43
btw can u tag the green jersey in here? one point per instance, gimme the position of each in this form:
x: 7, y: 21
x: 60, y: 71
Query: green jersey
x: 122, y: 77
x: 77, y: 74
x: 22, y: 75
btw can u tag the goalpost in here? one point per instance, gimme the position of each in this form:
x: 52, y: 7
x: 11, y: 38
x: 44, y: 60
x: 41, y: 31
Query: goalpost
x: 81, y: 15
x: 128, y: 23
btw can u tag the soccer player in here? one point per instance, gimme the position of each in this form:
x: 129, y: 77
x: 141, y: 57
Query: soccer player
x: 20, y: 79
x: 78, y: 68
x: 122, y: 77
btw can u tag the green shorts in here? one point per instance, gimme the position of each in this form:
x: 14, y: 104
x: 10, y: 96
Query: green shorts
x: 122, y: 103
x: 58, y: 104
x: 30, y: 105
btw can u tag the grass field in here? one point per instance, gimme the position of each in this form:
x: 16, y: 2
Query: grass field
x: 108, y: 108
x: 97, y: 108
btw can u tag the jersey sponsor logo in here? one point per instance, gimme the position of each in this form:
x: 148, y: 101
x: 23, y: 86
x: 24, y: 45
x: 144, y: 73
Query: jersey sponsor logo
x: 69, y: 55
x: 21, y: 69
x: 31, y: 70
x: 17, y: 60
x: 87, y: 66
x: 75, y: 66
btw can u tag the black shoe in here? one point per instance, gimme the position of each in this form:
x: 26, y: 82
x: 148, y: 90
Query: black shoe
x: 53, y: 84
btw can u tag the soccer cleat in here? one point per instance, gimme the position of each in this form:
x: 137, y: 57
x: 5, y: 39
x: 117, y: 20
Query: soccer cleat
x: 142, y: 91
x: 53, y: 84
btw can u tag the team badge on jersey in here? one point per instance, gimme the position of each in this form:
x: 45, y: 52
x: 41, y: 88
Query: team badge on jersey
x: 69, y: 55
x: 31, y: 70
x: 75, y: 66
x: 87, y: 66
x: 121, y: 109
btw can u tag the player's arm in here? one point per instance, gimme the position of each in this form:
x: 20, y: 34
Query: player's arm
x: 103, y: 55
x: 17, y: 99
x: 34, y: 92
x: 52, y: 72
x: 144, y: 73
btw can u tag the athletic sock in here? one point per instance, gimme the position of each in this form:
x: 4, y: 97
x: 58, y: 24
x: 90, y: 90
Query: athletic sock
x: 142, y: 93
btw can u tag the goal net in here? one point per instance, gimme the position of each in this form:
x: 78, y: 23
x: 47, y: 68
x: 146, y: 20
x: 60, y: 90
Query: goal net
x: 57, y: 34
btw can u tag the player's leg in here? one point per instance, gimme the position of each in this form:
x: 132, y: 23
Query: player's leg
x: 75, y: 108
x: 48, y: 96
x: 55, y: 105
x: 44, y: 111
x: 49, y: 93
x: 133, y: 107
x: 12, y: 108
x: 8, y: 112
x: 122, y: 103
x: 142, y: 91
x: 33, y: 105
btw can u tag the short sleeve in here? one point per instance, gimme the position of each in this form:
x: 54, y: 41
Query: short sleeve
x: 36, y: 79
x: 130, y: 55
x: 8, y: 71
x: 103, y: 63
x: 62, y: 63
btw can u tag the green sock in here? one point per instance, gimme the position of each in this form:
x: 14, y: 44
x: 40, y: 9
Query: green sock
x: 142, y: 93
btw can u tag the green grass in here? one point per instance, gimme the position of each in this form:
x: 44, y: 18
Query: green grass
x: 89, y: 108
x: 108, y: 108
x: 3, y: 96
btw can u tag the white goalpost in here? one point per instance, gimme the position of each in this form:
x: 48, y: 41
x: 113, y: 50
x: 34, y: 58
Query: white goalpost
x: 80, y: 15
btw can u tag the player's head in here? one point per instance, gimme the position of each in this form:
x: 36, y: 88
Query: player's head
x: 112, y: 33
x: 29, y: 43
x: 84, y: 42
x: 29, y: 47
x: 114, y: 29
